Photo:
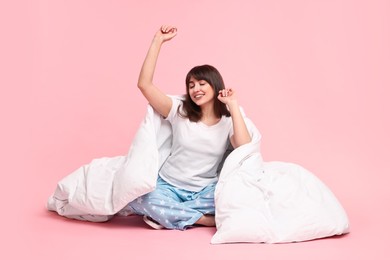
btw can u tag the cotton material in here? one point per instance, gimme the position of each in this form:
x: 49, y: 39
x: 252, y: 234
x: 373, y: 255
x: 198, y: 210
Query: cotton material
x: 102, y: 188
x: 175, y: 208
x: 197, y: 150
x: 273, y: 202
x: 98, y: 190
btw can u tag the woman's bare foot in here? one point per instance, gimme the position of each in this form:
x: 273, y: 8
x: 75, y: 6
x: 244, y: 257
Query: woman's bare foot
x: 206, y: 220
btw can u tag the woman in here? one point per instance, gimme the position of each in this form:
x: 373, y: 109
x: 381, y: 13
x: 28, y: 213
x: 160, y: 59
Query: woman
x: 202, y: 125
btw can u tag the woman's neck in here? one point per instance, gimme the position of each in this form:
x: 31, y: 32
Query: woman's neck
x: 208, y: 115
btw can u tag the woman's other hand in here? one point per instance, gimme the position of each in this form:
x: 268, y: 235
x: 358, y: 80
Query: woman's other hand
x: 227, y: 96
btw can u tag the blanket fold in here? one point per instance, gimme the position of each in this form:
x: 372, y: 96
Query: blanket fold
x: 106, y: 185
x: 255, y: 201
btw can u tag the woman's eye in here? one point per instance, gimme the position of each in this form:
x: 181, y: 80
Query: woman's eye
x: 192, y: 86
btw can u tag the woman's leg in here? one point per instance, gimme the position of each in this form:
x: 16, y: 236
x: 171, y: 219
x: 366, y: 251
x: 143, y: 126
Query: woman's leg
x: 203, y: 202
x: 206, y: 220
x: 166, y: 207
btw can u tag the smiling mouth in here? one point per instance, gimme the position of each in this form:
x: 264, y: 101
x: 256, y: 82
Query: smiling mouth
x: 198, y: 96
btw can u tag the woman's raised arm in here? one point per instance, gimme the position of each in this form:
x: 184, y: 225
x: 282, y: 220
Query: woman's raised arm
x: 157, y: 99
x: 241, y: 134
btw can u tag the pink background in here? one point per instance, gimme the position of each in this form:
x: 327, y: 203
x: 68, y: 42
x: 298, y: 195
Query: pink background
x: 312, y: 75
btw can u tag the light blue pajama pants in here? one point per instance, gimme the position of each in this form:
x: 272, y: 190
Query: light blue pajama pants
x: 175, y: 208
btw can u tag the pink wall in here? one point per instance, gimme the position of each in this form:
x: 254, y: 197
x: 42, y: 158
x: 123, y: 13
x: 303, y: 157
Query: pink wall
x: 313, y: 76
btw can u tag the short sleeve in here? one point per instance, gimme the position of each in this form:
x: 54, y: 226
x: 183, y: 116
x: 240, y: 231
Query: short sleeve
x: 229, y: 125
x: 174, y: 109
x: 231, y: 131
x: 248, y: 124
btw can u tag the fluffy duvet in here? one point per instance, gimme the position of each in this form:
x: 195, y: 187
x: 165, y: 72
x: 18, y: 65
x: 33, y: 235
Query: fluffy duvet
x: 256, y: 201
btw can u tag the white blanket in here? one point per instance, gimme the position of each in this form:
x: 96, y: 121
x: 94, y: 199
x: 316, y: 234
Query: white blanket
x: 273, y: 202
x: 256, y: 201
x: 100, y: 189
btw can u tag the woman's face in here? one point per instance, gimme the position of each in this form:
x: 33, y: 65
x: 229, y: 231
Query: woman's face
x: 200, y: 91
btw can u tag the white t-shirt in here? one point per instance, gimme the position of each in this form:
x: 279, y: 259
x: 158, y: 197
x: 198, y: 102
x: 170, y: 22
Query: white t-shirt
x: 197, y: 150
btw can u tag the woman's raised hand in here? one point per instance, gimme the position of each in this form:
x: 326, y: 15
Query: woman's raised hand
x: 166, y: 33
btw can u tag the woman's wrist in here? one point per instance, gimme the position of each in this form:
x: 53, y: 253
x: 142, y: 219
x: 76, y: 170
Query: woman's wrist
x: 158, y: 39
x: 232, y: 103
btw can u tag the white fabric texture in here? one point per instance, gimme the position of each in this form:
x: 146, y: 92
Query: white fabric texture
x: 197, y: 150
x: 96, y: 191
x: 256, y: 201
x: 273, y: 202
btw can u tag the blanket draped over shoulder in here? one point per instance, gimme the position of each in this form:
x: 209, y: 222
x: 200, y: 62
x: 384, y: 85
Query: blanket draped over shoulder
x: 282, y: 202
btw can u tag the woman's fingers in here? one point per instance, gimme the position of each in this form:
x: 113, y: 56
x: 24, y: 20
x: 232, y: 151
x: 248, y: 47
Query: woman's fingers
x: 168, y: 29
x: 163, y: 28
x: 171, y: 29
x: 226, y: 92
x: 167, y: 32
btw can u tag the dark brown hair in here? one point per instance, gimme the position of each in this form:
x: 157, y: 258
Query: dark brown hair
x: 210, y: 74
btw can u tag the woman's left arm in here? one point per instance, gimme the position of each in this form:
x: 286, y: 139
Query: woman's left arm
x: 241, y: 134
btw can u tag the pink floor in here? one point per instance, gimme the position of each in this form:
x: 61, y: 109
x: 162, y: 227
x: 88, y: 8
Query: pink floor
x: 29, y: 231
x: 44, y: 235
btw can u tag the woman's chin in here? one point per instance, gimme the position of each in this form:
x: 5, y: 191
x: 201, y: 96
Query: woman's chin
x: 197, y: 101
x: 201, y: 101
